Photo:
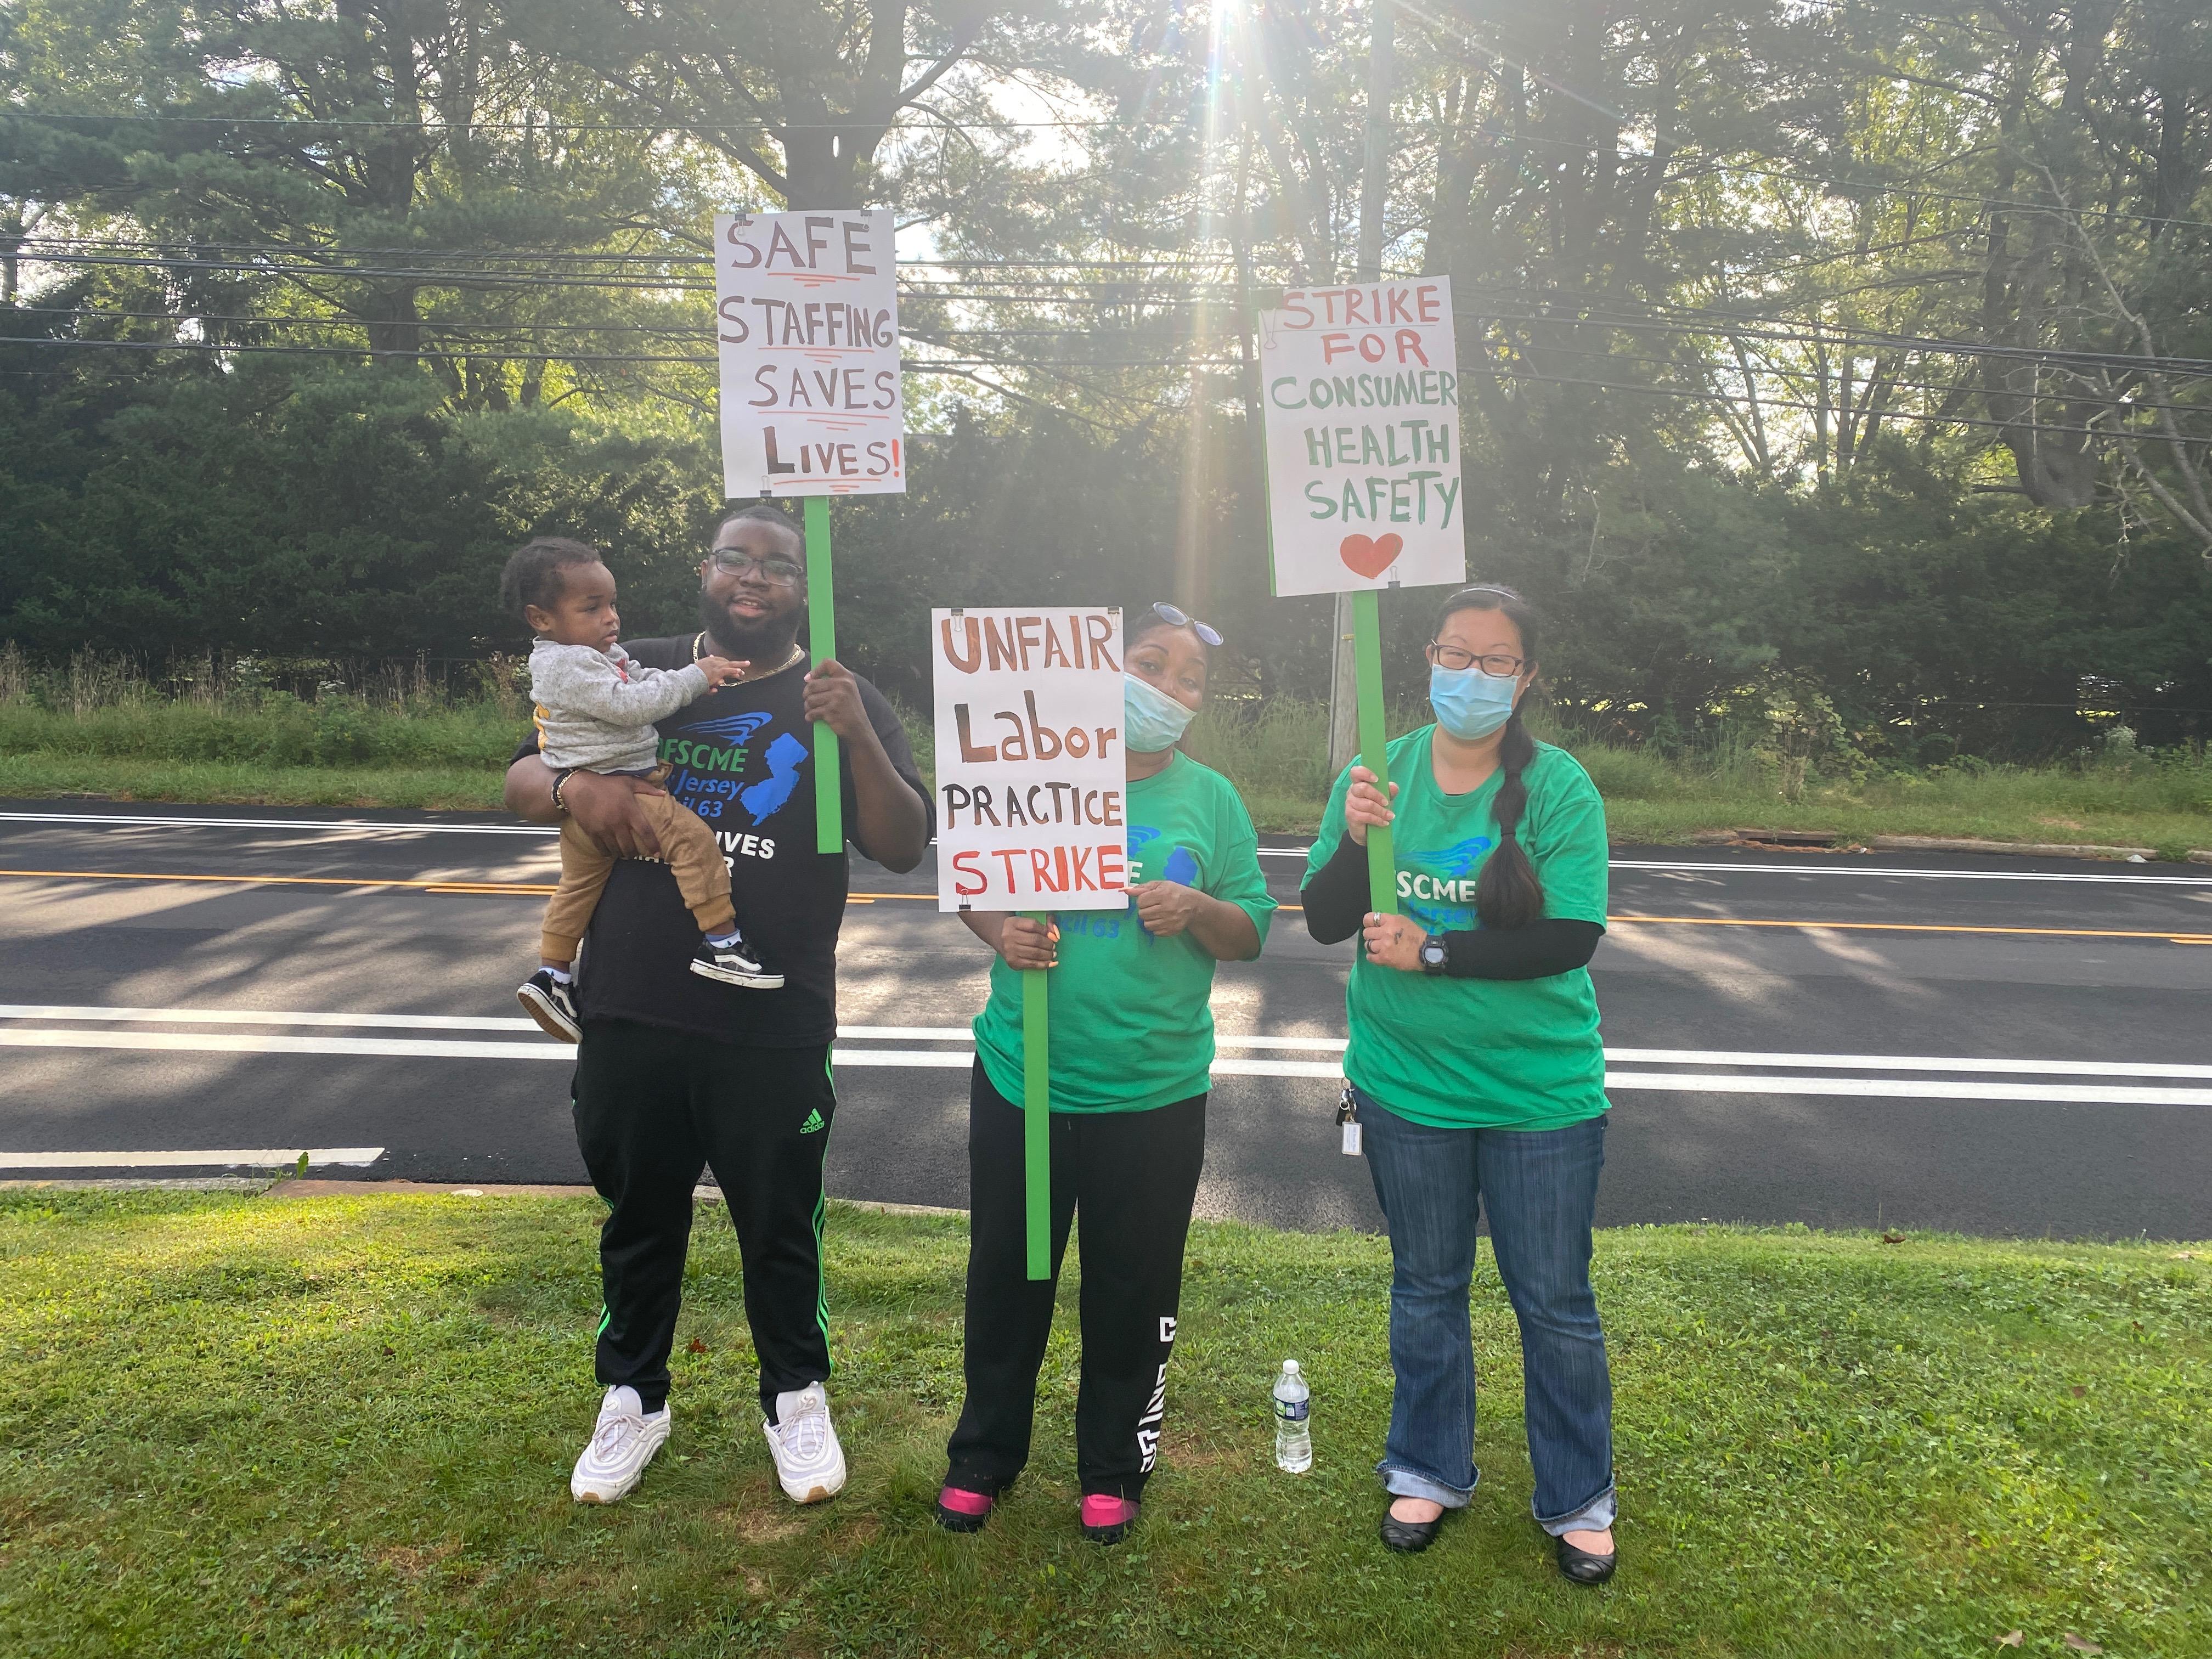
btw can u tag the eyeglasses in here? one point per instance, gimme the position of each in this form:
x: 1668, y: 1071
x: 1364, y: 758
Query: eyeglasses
x: 782, y: 572
x: 1176, y: 617
x: 1497, y: 664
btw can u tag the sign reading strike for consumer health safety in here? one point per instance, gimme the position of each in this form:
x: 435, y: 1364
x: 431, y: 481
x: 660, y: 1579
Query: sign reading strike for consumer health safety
x: 809, y: 344
x: 1362, y: 396
x: 1030, y: 775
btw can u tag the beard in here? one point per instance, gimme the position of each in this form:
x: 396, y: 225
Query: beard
x: 763, y: 643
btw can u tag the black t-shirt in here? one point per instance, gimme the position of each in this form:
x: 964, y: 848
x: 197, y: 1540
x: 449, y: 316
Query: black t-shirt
x: 744, y: 759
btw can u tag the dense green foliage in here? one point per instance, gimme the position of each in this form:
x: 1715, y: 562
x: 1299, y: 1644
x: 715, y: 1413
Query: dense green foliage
x: 1848, y: 359
x: 210, y: 731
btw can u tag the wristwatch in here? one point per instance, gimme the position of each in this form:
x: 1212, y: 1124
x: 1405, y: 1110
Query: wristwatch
x: 1434, y: 955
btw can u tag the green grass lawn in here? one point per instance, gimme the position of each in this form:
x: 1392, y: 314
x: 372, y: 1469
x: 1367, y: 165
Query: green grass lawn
x: 2021, y: 806
x: 360, y: 753
x: 238, y: 1426
x: 39, y: 775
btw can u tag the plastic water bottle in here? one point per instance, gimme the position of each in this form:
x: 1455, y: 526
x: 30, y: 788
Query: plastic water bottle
x: 1293, y: 1436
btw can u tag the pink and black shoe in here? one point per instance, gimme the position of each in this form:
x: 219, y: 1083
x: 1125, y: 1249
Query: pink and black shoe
x: 960, y: 1510
x: 1107, y: 1520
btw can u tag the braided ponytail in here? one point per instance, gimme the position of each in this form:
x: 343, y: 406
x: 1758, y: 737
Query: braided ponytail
x: 1508, y: 893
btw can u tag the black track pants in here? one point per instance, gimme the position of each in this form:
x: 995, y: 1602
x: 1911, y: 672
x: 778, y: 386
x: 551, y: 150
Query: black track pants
x: 655, y: 1107
x: 1132, y: 1178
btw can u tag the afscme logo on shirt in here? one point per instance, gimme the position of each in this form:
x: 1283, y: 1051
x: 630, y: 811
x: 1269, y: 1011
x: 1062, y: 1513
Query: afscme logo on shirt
x: 1458, y: 888
x: 1411, y: 885
x: 729, y: 754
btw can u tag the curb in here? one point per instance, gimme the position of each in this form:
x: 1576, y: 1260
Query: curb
x: 316, y: 1188
x: 292, y: 1188
x: 125, y: 1183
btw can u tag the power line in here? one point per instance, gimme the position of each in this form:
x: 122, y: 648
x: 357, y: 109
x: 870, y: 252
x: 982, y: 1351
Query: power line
x: 349, y: 124
x: 911, y: 366
x: 958, y: 364
x: 1885, y: 415
x: 705, y: 128
x: 1657, y: 316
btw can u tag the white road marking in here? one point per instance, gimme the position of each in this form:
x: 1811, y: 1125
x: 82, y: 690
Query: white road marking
x: 951, y: 1059
x: 349, y: 829
x: 1903, y: 1088
x: 261, y: 1016
x: 208, y: 1043
x: 1905, y: 1063
x: 366, y: 828
x: 956, y: 1059
x: 1869, y: 871
x: 1860, y: 870
x: 257, y: 1158
x: 60, y: 1012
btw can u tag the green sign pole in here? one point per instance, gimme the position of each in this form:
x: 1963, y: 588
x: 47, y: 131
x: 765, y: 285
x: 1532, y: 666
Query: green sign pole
x: 822, y: 631
x: 1367, y: 660
x: 1036, y: 1115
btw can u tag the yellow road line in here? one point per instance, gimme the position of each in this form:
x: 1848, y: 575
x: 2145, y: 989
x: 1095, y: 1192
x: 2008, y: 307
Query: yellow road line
x: 287, y: 881
x: 521, y: 890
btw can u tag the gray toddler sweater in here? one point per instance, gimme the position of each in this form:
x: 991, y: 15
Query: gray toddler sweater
x: 595, y: 708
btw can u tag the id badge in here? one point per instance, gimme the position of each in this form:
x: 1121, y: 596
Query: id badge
x: 1347, y: 1122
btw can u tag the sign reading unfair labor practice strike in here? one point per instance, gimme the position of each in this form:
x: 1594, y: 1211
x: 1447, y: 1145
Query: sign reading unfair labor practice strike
x: 1031, y: 784
x: 809, y: 344
x: 1362, y: 396
x: 1030, y: 775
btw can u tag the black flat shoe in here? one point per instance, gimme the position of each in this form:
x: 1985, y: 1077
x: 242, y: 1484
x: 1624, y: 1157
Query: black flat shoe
x: 1410, y: 1537
x: 1581, y: 1567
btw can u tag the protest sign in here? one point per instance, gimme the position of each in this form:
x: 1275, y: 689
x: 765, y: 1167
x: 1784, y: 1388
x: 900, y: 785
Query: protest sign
x: 808, y: 339
x: 1364, y: 489
x: 1030, y: 775
x: 1361, y: 393
x: 1030, y: 784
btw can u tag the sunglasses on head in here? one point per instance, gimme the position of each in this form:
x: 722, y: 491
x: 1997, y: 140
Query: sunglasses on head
x: 1176, y: 616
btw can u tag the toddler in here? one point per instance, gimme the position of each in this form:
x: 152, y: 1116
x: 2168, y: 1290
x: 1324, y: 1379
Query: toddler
x: 596, y: 709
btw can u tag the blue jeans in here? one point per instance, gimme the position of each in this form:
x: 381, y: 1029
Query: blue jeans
x: 1540, y: 1189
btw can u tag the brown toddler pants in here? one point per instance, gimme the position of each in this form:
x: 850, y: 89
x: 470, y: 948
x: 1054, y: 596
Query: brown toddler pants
x: 687, y: 846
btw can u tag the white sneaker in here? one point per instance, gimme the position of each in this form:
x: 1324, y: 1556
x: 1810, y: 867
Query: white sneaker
x: 809, y: 1462
x: 623, y: 1442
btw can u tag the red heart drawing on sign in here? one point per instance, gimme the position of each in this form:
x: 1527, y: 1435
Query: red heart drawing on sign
x: 1368, y: 558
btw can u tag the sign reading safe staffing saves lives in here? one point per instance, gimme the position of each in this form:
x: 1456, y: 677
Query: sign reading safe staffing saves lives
x: 808, y: 339
x: 1030, y: 775
x: 1361, y: 386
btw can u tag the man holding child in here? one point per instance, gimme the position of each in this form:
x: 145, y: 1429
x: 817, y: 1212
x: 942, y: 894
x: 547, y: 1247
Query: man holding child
x: 674, y: 1074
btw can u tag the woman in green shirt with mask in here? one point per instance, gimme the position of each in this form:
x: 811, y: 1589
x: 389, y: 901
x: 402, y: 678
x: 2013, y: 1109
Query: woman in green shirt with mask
x: 1132, y: 1043
x: 1476, y: 1073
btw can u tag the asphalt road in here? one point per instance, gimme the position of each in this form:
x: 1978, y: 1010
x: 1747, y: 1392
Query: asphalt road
x: 1984, y: 1044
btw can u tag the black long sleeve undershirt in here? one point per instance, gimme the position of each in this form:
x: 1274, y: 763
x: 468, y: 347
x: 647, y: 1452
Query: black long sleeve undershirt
x: 1336, y: 907
x: 1335, y: 896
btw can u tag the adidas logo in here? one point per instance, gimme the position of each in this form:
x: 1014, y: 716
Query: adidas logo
x: 813, y: 1122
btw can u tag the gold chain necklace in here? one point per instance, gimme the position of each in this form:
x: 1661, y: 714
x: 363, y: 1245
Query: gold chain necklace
x: 797, y: 655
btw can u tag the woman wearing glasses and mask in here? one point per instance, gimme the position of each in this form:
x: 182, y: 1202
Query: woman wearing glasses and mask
x: 1131, y: 1042
x: 1476, y: 1075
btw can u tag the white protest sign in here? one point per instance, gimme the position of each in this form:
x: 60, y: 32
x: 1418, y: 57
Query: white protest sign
x: 1030, y: 775
x: 1362, y: 399
x: 808, y: 332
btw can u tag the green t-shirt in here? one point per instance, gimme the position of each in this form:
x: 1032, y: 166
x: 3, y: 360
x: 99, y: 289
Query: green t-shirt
x: 1480, y: 1054
x: 1132, y: 1023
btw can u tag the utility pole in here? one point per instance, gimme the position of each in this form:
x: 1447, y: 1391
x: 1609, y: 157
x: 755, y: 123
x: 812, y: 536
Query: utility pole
x: 1374, y: 189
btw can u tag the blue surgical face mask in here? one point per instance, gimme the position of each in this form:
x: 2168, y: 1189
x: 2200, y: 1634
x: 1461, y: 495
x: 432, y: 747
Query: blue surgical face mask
x: 1470, y: 703
x: 1152, y: 720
